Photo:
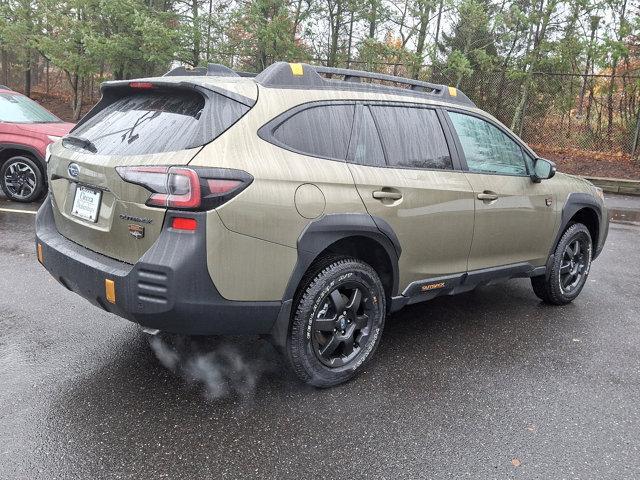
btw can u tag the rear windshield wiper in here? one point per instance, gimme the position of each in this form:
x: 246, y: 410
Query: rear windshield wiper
x: 82, y: 142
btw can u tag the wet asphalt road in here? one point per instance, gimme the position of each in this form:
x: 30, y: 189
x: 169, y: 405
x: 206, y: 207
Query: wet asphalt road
x: 490, y: 384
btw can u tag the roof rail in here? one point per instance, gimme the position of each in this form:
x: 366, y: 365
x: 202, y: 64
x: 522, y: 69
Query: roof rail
x: 211, y: 70
x: 282, y: 74
x: 219, y: 70
x: 357, y: 75
x: 182, y: 71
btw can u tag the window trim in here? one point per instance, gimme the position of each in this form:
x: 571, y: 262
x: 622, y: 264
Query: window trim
x: 463, y: 159
x: 355, y: 137
x: 456, y: 165
x: 266, y: 131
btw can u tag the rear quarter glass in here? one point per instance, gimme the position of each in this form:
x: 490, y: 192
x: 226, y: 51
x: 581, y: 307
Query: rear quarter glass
x: 149, y: 122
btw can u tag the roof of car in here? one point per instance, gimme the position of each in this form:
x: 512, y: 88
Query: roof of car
x: 358, y: 85
x: 302, y: 76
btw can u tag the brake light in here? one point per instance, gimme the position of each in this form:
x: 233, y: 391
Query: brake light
x: 180, y: 223
x: 141, y: 85
x: 185, y: 187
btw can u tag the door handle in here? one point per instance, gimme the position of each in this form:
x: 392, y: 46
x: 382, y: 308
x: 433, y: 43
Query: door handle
x: 487, y: 196
x: 386, y: 195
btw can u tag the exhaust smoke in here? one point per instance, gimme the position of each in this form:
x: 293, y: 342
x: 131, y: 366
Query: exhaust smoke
x: 221, y: 368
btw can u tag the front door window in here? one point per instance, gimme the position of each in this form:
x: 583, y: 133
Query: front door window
x: 486, y: 148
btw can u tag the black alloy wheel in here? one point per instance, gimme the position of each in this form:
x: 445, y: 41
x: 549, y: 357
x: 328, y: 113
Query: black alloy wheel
x: 567, y: 274
x: 337, y: 321
x: 573, y: 265
x: 343, y: 325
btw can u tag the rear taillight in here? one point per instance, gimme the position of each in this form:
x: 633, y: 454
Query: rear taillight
x: 182, y: 190
x: 185, y: 187
x: 220, y: 186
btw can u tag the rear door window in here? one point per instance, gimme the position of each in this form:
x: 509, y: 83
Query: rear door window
x: 154, y: 122
x: 412, y: 137
x: 320, y: 131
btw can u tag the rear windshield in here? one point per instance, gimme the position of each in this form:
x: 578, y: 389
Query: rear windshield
x: 16, y: 108
x: 154, y: 122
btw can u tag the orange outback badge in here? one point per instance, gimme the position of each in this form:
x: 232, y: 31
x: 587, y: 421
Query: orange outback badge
x: 136, y: 231
x: 432, y: 286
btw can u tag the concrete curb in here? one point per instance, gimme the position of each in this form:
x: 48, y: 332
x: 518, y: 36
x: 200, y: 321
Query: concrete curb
x: 616, y: 185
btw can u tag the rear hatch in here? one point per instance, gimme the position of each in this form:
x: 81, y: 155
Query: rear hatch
x: 137, y: 131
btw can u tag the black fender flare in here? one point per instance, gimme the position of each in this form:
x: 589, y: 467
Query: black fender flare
x: 26, y: 148
x: 321, y: 233
x: 317, y: 236
x: 576, y: 202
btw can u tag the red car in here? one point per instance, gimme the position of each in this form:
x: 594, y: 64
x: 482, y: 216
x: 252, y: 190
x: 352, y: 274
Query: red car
x: 26, y: 129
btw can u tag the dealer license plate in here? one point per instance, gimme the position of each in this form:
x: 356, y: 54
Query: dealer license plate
x: 86, y: 203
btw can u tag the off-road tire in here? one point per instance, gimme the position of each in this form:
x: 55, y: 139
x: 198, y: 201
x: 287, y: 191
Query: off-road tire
x: 34, y: 172
x: 312, y: 299
x: 549, y: 287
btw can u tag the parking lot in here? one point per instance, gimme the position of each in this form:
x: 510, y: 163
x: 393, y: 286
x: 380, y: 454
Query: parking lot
x: 489, y: 384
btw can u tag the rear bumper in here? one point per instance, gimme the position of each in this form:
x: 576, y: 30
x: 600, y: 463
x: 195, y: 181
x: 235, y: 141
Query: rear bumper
x: 169, y: 288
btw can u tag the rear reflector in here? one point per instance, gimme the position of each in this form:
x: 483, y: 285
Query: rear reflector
x: 110, y: 290
x: 40, y: 255
x: 180, y: 223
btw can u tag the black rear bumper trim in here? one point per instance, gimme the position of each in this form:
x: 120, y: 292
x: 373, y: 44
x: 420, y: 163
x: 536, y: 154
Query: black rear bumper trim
x: 169, y: 288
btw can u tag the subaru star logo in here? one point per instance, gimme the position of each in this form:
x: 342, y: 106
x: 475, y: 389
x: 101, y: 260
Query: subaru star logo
x: 73, y: 170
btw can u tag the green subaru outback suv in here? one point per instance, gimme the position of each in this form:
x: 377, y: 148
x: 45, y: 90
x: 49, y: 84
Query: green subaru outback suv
x: 305, y: 203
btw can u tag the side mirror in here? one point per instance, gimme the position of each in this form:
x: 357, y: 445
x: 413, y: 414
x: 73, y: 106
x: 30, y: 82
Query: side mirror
x: 543, y: 169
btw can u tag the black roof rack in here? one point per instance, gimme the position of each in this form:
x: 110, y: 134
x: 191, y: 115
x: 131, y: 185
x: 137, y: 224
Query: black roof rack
x: 301, y: 75
x: 219, y: 70
x: 183, y: 71
x: 358, y: 75
x: 211, y: 70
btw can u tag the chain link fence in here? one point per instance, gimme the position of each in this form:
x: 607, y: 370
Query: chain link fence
x: 554, y: 112
x: 582, y: 115
x: 560, y: 112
